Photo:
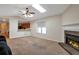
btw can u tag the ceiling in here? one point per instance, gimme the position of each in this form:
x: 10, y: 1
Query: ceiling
x: 13, y: 10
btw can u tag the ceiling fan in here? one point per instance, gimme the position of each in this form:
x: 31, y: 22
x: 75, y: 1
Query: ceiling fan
x: 27, y: 13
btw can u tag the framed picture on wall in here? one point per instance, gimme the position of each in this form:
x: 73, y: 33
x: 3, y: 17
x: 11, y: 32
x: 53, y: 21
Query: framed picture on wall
x: 23, y: 25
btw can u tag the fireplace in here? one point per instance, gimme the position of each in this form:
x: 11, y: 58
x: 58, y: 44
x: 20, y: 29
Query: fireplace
x: 72, y: 39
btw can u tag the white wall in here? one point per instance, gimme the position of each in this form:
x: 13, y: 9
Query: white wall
x: 71, y: 18
x: 54, y: 29
x: 13, y: 29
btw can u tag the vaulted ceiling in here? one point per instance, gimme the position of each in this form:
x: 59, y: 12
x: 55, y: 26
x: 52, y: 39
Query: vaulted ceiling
x: 13, y: 10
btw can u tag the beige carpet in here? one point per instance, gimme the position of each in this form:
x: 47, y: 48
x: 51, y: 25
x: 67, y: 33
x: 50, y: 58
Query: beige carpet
x: 35, y: 46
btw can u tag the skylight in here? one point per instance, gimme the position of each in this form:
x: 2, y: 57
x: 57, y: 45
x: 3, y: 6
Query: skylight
x: 39, y: 8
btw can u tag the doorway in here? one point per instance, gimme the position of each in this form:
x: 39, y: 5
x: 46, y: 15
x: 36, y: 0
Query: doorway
x: 4, y: 29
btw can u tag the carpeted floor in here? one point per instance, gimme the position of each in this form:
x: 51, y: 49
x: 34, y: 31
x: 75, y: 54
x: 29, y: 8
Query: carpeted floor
x: 35, y: 46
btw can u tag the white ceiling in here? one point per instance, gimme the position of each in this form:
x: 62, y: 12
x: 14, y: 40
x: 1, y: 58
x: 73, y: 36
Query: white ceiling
x: 13, y: 10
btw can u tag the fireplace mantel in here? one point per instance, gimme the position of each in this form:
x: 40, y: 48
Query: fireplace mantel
x: 76, y: 33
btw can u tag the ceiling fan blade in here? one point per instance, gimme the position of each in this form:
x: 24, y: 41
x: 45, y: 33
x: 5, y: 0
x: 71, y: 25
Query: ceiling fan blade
x: 23, y: 14
x: 32, y: 12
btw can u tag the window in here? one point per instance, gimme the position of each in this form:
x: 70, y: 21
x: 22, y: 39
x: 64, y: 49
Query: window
x: 41, y: 28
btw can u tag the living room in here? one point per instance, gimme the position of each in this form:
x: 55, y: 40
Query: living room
x: 44, y: 31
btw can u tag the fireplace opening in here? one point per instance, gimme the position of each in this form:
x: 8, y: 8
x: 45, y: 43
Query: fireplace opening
x: 72, y: 39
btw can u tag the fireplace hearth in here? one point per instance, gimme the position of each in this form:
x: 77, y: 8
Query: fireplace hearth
x: 72, y: 39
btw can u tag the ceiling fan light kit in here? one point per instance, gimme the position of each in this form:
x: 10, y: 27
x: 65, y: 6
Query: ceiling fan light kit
x: 28, y: 13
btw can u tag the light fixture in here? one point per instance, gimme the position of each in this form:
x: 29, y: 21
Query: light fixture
x: 28, y: 15
x: 25, y: 15
x: 39, y: 8
x: 31, y: 15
